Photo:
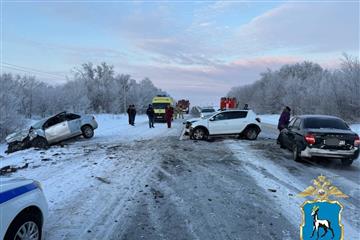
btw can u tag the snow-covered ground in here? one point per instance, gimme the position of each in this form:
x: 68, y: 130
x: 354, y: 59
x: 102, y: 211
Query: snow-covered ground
x: 139, y: 183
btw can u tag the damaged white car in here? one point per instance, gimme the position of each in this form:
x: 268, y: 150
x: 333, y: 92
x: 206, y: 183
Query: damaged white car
x: 51, y: 130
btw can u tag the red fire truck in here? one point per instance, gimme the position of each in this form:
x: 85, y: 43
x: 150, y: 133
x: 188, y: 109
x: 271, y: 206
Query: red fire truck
x: 228, y: 103
x: 184, y: 105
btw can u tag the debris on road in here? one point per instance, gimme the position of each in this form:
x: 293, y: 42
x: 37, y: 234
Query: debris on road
x: 12, y: 168
x: 272, y: 190
x: 157, y: 193
x: 103, y: 180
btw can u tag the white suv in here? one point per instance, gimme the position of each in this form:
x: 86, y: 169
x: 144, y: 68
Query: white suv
x: 23, y: 209
x: 242, y: 123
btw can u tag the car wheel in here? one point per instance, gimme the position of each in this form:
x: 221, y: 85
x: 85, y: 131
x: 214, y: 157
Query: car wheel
x: 346, y: 161
x: 251, y: 133
x: 87, y: 131
x: 296, y: 154
x: 199, y: 134
x: 25, y: 226
x: 39, y: 142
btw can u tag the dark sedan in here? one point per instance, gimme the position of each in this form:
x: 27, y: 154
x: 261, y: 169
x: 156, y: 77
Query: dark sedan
x: 320, y: 136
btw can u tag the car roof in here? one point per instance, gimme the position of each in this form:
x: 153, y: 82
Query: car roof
x: 236, y: 110
x: 308, y: 116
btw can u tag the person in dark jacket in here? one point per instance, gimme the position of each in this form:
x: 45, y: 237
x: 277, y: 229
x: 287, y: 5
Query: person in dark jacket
x: 151, y: 115
x: 131, y: 113
x: 246, y: 106
x: 284, y: 120
x: 169, y: 112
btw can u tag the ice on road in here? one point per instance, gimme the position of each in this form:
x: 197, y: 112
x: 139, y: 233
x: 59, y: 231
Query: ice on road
x: 132, y: 182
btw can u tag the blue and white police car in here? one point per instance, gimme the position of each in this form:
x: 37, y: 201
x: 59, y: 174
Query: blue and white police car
x: 23, y: 209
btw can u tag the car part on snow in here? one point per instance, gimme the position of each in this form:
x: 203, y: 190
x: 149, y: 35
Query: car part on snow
x: 39, y: 142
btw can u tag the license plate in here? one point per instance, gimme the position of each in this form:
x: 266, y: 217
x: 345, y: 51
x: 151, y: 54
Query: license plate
x: 334, y: 142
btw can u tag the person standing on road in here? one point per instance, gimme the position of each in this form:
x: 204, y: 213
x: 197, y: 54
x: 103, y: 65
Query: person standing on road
x: 181, y: 112
x: 284, y: 120
x: 169, y: 111
x: 131, y: 113
x: 151, y: 115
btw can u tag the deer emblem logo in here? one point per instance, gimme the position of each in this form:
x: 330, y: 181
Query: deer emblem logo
x: 318, y: 223
x: 321, y: 218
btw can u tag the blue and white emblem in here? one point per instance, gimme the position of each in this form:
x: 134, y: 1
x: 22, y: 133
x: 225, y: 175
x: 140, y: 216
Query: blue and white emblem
x: 321, y: 217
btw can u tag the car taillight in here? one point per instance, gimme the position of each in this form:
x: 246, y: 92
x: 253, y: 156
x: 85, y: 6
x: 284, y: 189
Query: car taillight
x: 258, y: 120
x: 310, y: 138
x: 357, y: 141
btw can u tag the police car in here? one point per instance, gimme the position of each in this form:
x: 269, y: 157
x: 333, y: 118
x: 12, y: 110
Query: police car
x: 23, y: 209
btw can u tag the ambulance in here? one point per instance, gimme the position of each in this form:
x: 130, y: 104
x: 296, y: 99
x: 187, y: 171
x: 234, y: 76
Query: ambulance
x: 160, y: 103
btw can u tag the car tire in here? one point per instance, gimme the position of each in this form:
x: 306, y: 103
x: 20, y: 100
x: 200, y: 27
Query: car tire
x: 40, y: 142
x: 199, y: 134
x: 296, y: 154
x: 26, y: 222
x: 346, y: 161
x: 251, y: 133
x: 87, y: 131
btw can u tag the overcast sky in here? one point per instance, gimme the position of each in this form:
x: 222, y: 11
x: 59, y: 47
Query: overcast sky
x: 196, y: 50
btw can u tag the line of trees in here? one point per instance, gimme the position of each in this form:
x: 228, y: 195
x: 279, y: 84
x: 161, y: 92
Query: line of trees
x: 306, y: 88
x: 92, y: 89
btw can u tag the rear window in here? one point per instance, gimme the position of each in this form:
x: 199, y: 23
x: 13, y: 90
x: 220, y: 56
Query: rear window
x: 207, y: 110
x: 325, y: 123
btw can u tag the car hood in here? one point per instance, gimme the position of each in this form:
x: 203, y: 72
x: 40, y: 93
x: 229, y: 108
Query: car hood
x: 17, y: 136
x: 192, y: 120
x: 7, y: 183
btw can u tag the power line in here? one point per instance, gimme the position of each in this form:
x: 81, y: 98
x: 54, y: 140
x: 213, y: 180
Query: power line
x: 32, y: 73
x: 30, y: 70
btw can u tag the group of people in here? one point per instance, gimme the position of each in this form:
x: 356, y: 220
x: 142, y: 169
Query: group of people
x: 178, y: 112
x: 169, y: 115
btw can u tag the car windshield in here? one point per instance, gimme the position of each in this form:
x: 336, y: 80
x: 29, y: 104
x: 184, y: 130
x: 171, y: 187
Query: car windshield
x: 207, y: 116
x: 160, y: 105
x: 38, y: 124
x: 207, y: 110
x: 318, y: 123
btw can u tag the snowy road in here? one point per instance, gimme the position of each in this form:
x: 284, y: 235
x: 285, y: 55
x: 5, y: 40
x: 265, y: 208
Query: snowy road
x: 139, y: 183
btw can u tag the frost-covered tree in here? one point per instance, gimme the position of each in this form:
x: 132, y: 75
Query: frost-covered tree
x: 10, y: 118
x: 307, y: 88
x: 91, y: 89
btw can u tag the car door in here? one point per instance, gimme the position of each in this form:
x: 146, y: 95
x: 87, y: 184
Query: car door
x: 219, y: 124
x: 293, y: 132
x: 238, y: 122
x: 74, y: 122
x: 285, y: 133
x: 57, y: 128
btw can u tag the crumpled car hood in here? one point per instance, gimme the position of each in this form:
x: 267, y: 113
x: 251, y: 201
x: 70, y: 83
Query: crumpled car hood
x: 17, y: 136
